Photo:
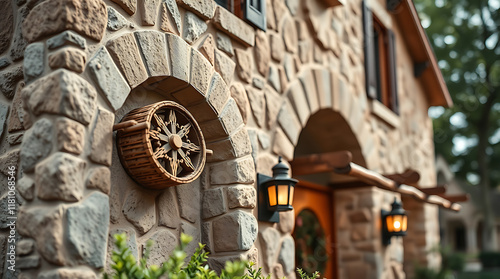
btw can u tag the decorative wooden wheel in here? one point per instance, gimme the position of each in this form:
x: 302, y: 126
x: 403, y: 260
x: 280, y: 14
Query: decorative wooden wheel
x: 161, y: 145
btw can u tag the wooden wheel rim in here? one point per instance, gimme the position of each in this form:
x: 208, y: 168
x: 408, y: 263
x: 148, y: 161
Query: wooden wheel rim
x: 170, y: 151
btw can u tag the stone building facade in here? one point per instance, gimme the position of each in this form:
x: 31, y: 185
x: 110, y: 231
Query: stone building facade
x: 71, y: 69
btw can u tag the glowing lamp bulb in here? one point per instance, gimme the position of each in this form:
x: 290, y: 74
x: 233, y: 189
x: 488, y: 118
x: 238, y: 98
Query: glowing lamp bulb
x: 397, y: 224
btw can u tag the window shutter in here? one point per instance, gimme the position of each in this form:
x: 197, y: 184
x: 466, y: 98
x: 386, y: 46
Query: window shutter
x: 255, y: 13
x: 391, y: 47
x: 369, y: 49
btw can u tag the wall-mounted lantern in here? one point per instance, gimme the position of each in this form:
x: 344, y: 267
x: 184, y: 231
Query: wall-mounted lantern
x: 275, y: 193
x: 394, y: 222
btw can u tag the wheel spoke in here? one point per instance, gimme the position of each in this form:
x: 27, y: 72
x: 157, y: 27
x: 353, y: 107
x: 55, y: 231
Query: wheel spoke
x: 184, y: 130
x: 191, y: 147
x: 160, y: 153
x: 161, y: 123
x: 187, y: 161
x: 173, y: 122
x: 174, y: 163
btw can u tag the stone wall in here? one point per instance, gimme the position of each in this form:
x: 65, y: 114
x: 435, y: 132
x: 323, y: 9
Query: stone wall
x: 252, y: 93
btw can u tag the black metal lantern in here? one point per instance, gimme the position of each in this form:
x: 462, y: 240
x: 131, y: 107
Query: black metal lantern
x: 275, y: 193
x: 394, y: 223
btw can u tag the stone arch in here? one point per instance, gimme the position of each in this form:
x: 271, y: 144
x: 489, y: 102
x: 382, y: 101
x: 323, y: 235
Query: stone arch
x: 317, y: 88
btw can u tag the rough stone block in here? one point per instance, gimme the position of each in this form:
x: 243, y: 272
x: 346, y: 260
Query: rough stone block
x: 87, y: 230
x: 67, y: 273
x: 19, y: 41
x: 234, y: 231
x: 241, y: 196
x: 238, y: 145
x: 154, y: 50
x: 7, y: 160
x: 99, y: 178
x: 139, y: 209
x: 204, y: 9
x: 61, y: 92
x: 108, y: 78
x: 115, y: 20
x: 290, y: 123
x: 180, y: 53
x: 168, y: 212
x: 273, y: 106
x: 218, y: 93
x: 164, y: 243
x: 28, y: 262
x: 16, y: 116
x: 67, y: 38
x: 25, y: 247
x: 131, y: 244
x: 193, y: 27
x: 238, y: 171
x: 274, y: 78
x: 262, y: 52
x: 282, y: 145
x: 60, y: 177
x: 69, y: 58
x: 149, y: 11
x: 213, y: 203
x: 244, y: 64
x: 188, y: 198
x: 360, y: 216
x: 130, y: 6
x: 26, y: 187
x: 224, y: 66
x: 193, y: 231
x: 277, y: 47
x: 8, y: 80
x: 86, y: 17
x: 125, y: 53
x: 231, y: 117
x: 287, y: 221
x: 287, y: 254
x: 7, y: 23
x: 70, y: 136
x: 37, y: 144
x: 307, y: 80
x: 234, y: 27
x: 297, y: 97
x: 258, y: 105
x: 290, y: 35
x: 323, y: 84
x: 224, y: 43
x: 238, y: 93
x: 102, y: 138
x: 34, y: 61
x: 174, y: 12
x: 207, y: 48
x: 201, y: 72
x: 270, y: 241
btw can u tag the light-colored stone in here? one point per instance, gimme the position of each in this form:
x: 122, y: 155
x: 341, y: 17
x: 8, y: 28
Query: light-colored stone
x: 179, y: 55
x: 16, y: 115
x: 193, y: 27
x: 204, y: 9
x: 67, y: 273
x: 67, y: 38
x: 131, y: 244
x: 69, y: 58
x: 305, y: 51
x: 164, y: 243
x: 258, y: 105
x: 8, y: 80
x: 244, y: 64
x: 218, y: 93
x: 289, y: 122
x: 224, y: 43
x: 258, y: 83
x: 262, y: 52
x: 298, y: 99
x: 108, y: 78
x: 188, y: 198
x: 241, y: 196
x: 201, y: 73
x: 238, y: 171
x: 270, y: 241
x: 26, y: 187
x: 213, y: 203
x: 149, y: 11
x: 287, y: 221
x: 277, y: 271
x: 287, y: 254
x: 264, y: 140
x: 60, y: 177
x: 254, y: 143
x: 360, y: 216
x: 234, y: 27
x: 290, y: 35
x: 166, y: 20
x: 115, y: 20
x: 307, y: 80
x: 139, y: 209
x: 282, y: 145
x: 274, y: 78
x: 270, y: 19
x: 61, y: 92
x: 130, y: 6
x: 238, y: 93
x: 8, y: 160
x: 37, y: 144
x: 87, y: 17
x: 273, y: 105
x: 168, y: 212
x: 28, y: 262
x: 99, y: 178
x: 102, y: 138
x: 153, y: 47
x: 323, y: 84
x: 238, y: 145
x: 34, y: 61
x: 125, y: 53
x: 207, y: 48
x: 293, y: 6
x: 25, y: 247
x: 224, y: 66
x: 174, y: 12
x: 231, y: 117
x: 70, y: 136
x: 235, y: 231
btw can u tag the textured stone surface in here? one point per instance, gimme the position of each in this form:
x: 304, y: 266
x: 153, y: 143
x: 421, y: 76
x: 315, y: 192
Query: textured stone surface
x: 277, y: 47
x: 201, y: 73
x: 108, y: 78
x: 238, y: 145
x: 282, y: 145
x: 213, y: 203
x: 4, y: 110
x: 125, y: 52
x: 115, y: 20
x: 67, y: 273
x: 28, y: 262
x: 244, y: 65
x: 166, y: 21
x: 258, y: 83
x: 193, y: 27
x: 67, y: 38
x: 234, y: 27
x: 241, y: 196
x: 274, y: 78
x: 154, y: 50
x: 225, y: 66
x: 188, y: 198
x: 290, y: 35
x: 4, y: 62
x: 264, y: 140
x: 287, y: 221
x: 86, y: 17
x: 293, y: 6
x: 131, y: 244
x: 33, y: 63
x: 7, y: 23
x: 224, y: 43
x: 19, y: 42
x: 70, y: 95
x: 239, y: 171
x: 218, y: 93
x: 204, y: 9
x: 262, y: 52
x: 273, y: 105
x: 139, y: 209
x: 193, y: 231
x: 207, y: 48
x: 174, y: 12
x: 238, y: 93
x: 25, y: 247
x: 323, y: 84
x: 26, y: 187
x: 168, y: 212
x: 9, y: 79
x: 179, y: 56
x: 7, y: 160
x: 235, y: 231
x: 37, y: 144
x: 270, y: 241
x: 60, y: 177
x: 130, y: 6
x: 149, y: 11
x: 258, y: 105
x: 231, y: 117
x: 164, y: 243
x: 287, y: 254
x: 298, y: 99
x: 99, y: 178
x: 70, y: 136
x: 69, y: 58
x: 289, y: 122
x: 102, y: 138
x: 15, y: 139
x: 87, y: 230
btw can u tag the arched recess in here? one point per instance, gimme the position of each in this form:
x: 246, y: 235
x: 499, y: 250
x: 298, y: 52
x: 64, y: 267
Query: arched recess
x: 149, y: 66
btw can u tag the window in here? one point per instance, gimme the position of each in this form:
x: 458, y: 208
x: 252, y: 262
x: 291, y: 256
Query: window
x: 380, y: 61
x: 252, y: 11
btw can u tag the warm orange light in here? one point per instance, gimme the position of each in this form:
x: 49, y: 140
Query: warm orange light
x: 282, y: 194
x: 271, y: 192
x: 291, y: 195
x: 396, y: 223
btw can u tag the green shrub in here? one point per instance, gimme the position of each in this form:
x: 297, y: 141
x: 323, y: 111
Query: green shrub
x: 125, y: 265
x: 450, y: 263
x: 490, y: 259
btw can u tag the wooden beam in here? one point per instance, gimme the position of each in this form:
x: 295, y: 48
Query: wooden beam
x: 456, y: 198
x: 320, y: 163
x: 434, y: 190
x: 409, y: 177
